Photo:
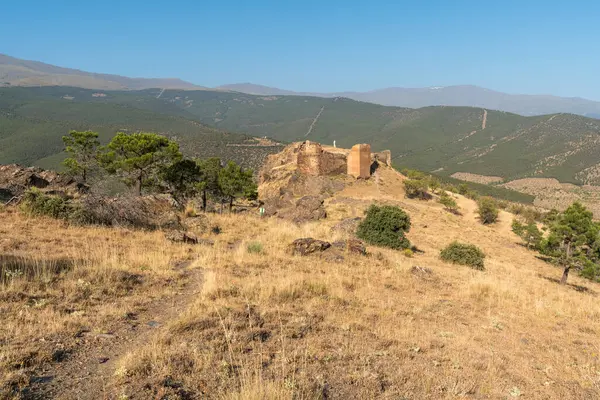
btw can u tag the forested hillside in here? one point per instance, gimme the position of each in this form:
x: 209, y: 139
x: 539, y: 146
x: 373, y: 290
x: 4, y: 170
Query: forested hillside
x: 441, y: 139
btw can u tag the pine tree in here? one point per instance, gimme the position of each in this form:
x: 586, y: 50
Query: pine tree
x: 234, y: 182
x: 139, y: 158
x: 83, y: 150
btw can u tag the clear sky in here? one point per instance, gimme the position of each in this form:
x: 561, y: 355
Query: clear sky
x: 526, y: 46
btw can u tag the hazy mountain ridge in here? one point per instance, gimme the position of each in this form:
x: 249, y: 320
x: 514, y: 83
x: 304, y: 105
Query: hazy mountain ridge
x: 17, y: 72
x: 460, y: 96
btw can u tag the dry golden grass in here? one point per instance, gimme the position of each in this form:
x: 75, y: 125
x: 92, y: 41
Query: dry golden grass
x: 58, y: 281
x: 274, y: 326
x: 268, y: 325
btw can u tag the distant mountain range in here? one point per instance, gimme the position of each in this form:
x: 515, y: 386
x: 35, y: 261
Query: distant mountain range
x: 463, y: 95
x: 18, y: 72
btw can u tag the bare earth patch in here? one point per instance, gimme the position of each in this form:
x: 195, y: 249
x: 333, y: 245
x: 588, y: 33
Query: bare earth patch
x: 550, y: 193
x: 484, y: 179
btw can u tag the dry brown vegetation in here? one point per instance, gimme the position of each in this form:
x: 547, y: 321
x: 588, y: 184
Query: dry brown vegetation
x: 484, y: 179
x: 550, y: 193
x: 263, y: 324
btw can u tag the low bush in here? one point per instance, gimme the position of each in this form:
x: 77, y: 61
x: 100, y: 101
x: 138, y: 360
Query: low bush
x: 417, y: 189
x: 487, y: 210
x: 448, y: 202
x: 255, y: 248
x: 464, y: 254
x: 385, y: 226
x: 129, y: 211
x: 35, y: 202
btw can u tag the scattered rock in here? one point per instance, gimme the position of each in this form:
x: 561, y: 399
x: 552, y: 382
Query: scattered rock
x: 347, y: 226
x: 153, y: 324
x: 305, y: 246
x: 309, y: 208
x: 102, y: 360
x: 15, y: 180
x: 356, y: 246
x: 353, y: 246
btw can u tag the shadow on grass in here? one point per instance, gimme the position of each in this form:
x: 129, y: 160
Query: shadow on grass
x: 579, y: 288
x: 543, y: 258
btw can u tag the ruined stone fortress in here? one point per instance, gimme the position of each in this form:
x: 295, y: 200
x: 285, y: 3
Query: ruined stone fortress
x: 318, y: 160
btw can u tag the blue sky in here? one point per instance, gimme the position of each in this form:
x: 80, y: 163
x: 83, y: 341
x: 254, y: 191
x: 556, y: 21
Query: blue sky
x: 527, y: 46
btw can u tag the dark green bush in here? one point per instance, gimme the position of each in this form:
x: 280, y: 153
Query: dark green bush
x: 464, y: 254
x: 36, y: 202
x: 385, y: 226
x: 487, y: 210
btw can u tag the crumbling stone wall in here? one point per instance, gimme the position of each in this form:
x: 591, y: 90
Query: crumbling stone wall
x: 309, y: 158
x: 313, y: 160
x: 383, y: 157
x: 359, y: 161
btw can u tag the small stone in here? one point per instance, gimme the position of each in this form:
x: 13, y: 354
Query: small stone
x: 102, y: 360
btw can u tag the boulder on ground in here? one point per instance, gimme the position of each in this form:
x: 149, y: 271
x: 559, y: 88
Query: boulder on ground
x: 309, y: 208
x: 306, y: 246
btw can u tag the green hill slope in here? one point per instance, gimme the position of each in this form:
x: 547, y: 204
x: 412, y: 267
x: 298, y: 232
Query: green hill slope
x: 33, y: 121
x: 441, y: 139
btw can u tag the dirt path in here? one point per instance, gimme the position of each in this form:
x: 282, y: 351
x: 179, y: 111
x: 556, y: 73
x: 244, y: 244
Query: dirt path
x: 88, y: 373
x: 484, y: 121
x: 160, y: 94
x: 315, y: 121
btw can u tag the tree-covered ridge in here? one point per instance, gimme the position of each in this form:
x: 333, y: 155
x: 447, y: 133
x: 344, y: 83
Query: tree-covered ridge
x: 441, y: 139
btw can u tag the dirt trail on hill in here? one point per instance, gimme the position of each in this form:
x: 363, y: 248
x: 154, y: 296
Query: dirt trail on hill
x: 315, y: 121
x: 88, y: 373
x: 484, y: 122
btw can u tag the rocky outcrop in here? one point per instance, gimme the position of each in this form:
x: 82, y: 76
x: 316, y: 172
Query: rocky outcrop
x: 306, y: 246
x: 328, y: 251
x: 15, y: 180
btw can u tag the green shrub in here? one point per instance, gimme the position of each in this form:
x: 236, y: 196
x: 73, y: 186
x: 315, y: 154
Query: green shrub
x: 413, y: 174
x: 255, y: 248
x: 487, y: 210
x: 385, y: 226
x: 448, y: 202
x: 416, y: 188
x: 464, y: 254
x: 35, y: 202
x: 530, y: 233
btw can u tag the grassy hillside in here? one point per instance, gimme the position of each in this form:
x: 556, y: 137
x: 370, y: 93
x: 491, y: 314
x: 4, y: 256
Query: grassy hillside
x: 33, y: 121
x: 441, y: 139
x: 119, y: 313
